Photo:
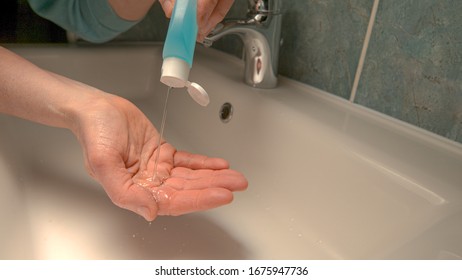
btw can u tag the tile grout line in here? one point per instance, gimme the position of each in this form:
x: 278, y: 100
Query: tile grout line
x: 362, y: 57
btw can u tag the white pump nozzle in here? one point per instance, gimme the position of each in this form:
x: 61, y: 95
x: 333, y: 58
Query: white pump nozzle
x: 175, y: 73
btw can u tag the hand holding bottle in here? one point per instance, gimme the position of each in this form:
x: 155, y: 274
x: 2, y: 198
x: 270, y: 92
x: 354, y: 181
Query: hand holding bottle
x: 209, y: 14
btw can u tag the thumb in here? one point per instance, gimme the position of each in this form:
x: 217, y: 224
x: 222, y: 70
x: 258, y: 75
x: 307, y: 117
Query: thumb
x: 167, y: 6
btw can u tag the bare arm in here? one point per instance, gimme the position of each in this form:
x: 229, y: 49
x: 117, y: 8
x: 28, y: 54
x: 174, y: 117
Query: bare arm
x: 118, y: 143
x: 127, y: 9
x: 29, y: 92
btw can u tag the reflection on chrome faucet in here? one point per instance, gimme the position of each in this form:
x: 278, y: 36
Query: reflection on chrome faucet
x: 261, y: 33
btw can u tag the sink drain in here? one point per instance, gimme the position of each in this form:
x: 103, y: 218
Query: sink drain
x: 226, y: 112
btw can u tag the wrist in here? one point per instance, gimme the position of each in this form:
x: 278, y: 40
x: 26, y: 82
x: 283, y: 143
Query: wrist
x: 75, y: 100
x: 83, y: 102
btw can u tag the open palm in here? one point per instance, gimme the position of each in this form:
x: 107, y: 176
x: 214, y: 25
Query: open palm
x: 120, y: 144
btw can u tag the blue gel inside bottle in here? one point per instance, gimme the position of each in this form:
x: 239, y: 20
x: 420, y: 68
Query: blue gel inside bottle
x: 179, y: 48
x: 182, y: 32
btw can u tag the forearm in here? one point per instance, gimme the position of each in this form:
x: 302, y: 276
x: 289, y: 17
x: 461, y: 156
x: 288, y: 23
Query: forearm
x: 31, y: 93
x: 128, y: 10
x: 93, y: 20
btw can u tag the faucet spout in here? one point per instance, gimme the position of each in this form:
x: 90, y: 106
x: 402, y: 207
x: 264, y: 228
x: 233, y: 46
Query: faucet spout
x: 224, y: 28
x: 260, y: 33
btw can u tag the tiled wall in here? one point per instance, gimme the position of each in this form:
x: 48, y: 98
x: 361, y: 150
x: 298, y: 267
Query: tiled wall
x: 412, y: 68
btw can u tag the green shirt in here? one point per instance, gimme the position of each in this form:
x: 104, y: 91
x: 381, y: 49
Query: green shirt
x: 92, y: 20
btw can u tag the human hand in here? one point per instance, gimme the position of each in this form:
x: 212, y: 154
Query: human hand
x: 119, y: 145
x: 209, y: 14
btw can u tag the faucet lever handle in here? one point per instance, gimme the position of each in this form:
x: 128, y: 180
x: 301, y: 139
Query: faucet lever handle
x: 208, y: 42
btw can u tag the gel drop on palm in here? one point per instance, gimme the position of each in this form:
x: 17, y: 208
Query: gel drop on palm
x: 179, y: 48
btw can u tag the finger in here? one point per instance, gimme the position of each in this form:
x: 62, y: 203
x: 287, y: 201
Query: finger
x: 119, y: 186
x: 205, y: 10
x: 136, y: 199
x: 195, y: 161
x: 206, y: 25
x: 167, y: 6
x: 174, y: 202
x: 184, y: 178
x: 132, y: 197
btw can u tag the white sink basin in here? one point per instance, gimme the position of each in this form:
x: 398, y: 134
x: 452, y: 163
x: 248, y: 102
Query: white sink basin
x: 327, y: 179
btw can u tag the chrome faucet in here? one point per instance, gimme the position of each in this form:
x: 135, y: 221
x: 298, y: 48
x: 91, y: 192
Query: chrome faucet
x: 260, y: 33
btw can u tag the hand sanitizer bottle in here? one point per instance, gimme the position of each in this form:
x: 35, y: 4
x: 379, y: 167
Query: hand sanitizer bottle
x: 178, y: 50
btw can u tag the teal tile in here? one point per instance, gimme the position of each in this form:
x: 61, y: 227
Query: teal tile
x: 413, y: 68
x: 323, y: 41
x: 152, y: 28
